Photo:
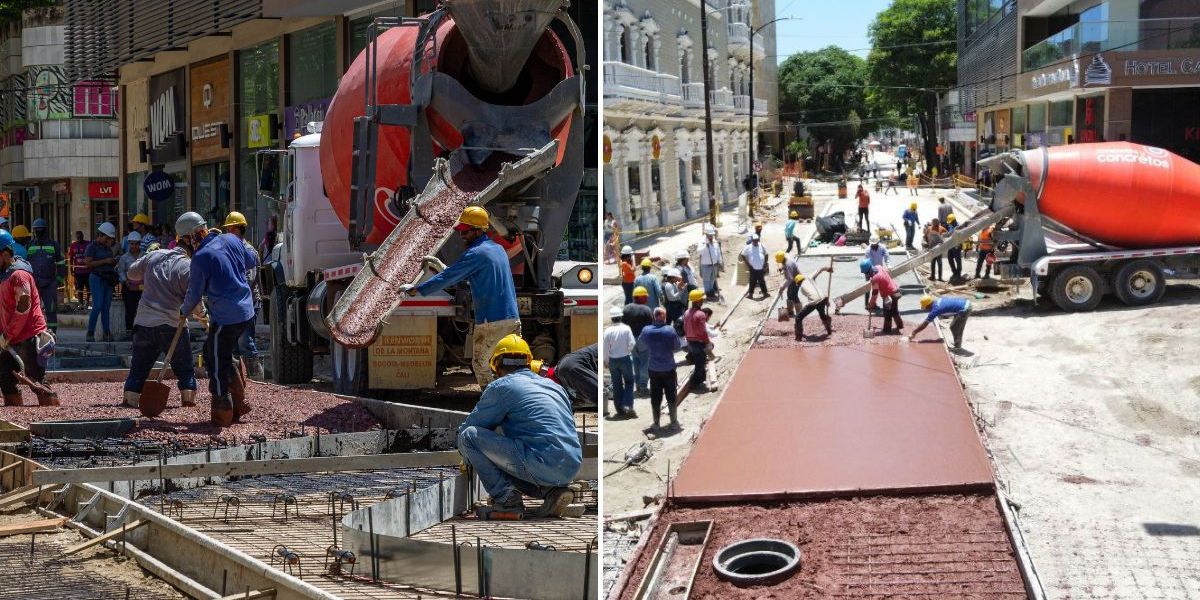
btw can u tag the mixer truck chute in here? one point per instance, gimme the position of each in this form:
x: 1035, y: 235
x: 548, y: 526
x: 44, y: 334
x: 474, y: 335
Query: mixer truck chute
x: 479, y: 103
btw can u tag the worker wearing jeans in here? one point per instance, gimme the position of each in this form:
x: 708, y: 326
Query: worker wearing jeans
x: 164, y: 275
x: 946, y: 305
x: 484, y: 265
x: 661, y: 342
x: 538, y: 453
x: 695, y: 329
x: 618, y: 350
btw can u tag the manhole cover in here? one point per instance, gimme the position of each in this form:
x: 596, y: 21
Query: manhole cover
x: 757, y: 561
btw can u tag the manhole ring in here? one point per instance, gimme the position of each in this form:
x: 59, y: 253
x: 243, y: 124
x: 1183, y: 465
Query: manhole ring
x: 757, y: 561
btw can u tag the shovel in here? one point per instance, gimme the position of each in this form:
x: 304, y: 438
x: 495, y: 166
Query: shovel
x: 155, y: 393
x: 39, y: 389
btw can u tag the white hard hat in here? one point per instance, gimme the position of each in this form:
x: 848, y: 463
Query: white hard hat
x: 615, y: 313
x: 710, y: 230
x: 135, y: 237
x: 626, y: 249
x: 874, y: 239
x: 672, y: 272
x: 108, y: 229
x: 681, y: 256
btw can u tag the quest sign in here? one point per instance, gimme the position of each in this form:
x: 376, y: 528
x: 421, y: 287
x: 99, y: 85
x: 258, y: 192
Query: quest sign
x: 210, y: 106
x: 1114, y: 69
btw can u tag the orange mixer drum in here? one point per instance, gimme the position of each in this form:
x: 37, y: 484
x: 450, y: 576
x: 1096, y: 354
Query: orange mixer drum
x: 548, y: 65
x: 1120, y: 193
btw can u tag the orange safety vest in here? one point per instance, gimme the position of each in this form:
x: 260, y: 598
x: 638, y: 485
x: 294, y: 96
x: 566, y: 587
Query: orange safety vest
x: 985, y: 240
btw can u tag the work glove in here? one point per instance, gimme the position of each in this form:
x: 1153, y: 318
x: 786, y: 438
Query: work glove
x: 152, y: 247
x: 408, y: 289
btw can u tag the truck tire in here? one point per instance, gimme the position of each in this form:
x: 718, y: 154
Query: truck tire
x: 290, y: 363
x: 1139, y: 283
x: 1077, y: 288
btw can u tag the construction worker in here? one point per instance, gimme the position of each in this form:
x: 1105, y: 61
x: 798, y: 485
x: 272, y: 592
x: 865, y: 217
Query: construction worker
x: 789, y: 231
x: 675, y: 294
x: 619, y: 343
x: 954, y: 255
x: 218, y: 273
x: 864, y: 208
x: 578, y: 372
x: 637, y: 315
x: 483, y: 264
x: 887, y: 288
x: 79, y: 270
x: 946, y: 305
x: 131, y: 289
x: 538, y: 453
x: 866, y: 267
x: 754, y: 256
x: 660, y: 342
x: 651, y: 284
x: 25, y: 343
x: 165, y: 275
x: 934, y: 233
x: 22, y: 236
x: 685, y: 272
x: 140, y: 224
x: 983, y: 256
x: 695, y: 329
x: 876, y: 252
x: 712, y: 262
x: 798, y: 286
x: 944, y: 210
x: 102, y: 278
x: 49, y: 267
x: 235, y: 223
x: 628, y: 273
x: 910, y: 225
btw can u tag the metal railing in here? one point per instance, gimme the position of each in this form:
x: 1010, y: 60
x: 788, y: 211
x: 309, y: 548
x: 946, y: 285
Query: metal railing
x: 741, y: 104
x: 629, y: 81
x: 1102, y: 36
x: 739, y: 34
x: 722, y: 99
x: 693, y: 95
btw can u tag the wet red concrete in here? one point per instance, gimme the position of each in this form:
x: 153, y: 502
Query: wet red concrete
x: 277, y: 412
x: 836, y: 420
x: 933, y: 546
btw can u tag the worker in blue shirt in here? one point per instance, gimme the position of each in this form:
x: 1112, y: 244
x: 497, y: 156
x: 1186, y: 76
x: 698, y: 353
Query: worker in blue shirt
x: 789, y: 231
x: 654, y: 289
x: 946, y: 305
x: 485, y: 266
x: 218, y: 272
x: 49, y: 268
x: 660, y: 342
x: 538, y: 453
x: 910, y: 225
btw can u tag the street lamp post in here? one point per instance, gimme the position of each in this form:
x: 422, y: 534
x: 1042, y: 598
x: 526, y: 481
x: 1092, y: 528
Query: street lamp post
x: 754, y: 32
x: 708, y: 141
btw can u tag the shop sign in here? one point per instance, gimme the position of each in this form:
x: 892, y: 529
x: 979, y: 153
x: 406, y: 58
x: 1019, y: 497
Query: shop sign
x: 102, y: 189
x: 166, y: 116
x: 296, y: 118
x: 210, y: 108
x: 1068, y: 74
x: 158, y: 186
x: 1162, y: 67
x: 258, y: 131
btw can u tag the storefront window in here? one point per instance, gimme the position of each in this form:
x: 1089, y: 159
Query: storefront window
x: 358, y: 26
x: 258, y: 118
x: 212, y: 191
x: 1060, y: 113
x: 1018, y: 120
x: 312, y: 64
x: 1037, y: 117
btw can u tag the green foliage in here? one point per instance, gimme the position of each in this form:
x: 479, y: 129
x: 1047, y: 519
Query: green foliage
x: 895, y: 62
x: 797, y: 148
x: 825, y: 86
x: 10, y: 10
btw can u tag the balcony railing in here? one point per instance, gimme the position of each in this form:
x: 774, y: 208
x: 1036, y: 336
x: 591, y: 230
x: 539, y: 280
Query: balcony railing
x: 1102, y: 36
x: 693, y: 95
x: 741, y: 105
x: 722, y: 99
x: 628, y: 81
x: 739, y: 34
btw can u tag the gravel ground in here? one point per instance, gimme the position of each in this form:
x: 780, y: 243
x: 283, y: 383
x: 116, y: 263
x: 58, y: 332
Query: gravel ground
x: 946, y: 546
x: 277, y: 411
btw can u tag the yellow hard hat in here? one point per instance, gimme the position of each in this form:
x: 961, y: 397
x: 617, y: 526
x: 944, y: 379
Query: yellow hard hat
x: 780, y: 256
x: 472, y: 217
x: 798, y: 278
x: 21, y: 231
x: 510, y: 345
x: 535, y: 365
x: 696, y: 296
x: 235, y: 218
x: 794, y: 215
x: 757, y: 224
x: 641, y: 292
x: 646, y: 263
x: 913, y: 206
x: 141, y: 218
x: 926, y: 302
x: 950, y: 218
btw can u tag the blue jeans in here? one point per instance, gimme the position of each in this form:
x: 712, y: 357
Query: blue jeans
x: 621, y: 370
x: 709, y: 274
x: 102, y: 293
x: 504, y: 464
x: 247, y: 347
x: 641, y: 372
x: 148, y: 343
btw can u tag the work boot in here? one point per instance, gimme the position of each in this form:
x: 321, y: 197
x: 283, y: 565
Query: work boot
x: 241, y: 408
x: 13, y: 399
x: 674, y: 418
x: 828, y: 321
x: 108, y: 337
x: 47, y: 398
x: 187, y: 397
x: 222, y: 411
x: 555, y: 502
x: 91, y: 337
x: 799, y: 332
x: 512, y: 501
x: 132, y: 399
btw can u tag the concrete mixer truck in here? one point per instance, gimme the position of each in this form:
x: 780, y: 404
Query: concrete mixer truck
x: 479, y: 103
x: 1087, y: 220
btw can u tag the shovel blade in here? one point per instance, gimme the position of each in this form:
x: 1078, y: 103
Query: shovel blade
x: 154, y: 398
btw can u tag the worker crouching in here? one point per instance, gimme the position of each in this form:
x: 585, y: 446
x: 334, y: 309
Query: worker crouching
x: 25, y: 343
x: 538, y: 453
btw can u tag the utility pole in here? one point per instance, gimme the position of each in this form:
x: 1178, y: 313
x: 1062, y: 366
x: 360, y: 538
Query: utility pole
x: 754, y: 32
x: 708, y: 133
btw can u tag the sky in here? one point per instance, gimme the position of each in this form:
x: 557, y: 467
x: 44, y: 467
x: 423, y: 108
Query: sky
x: 824, y: 23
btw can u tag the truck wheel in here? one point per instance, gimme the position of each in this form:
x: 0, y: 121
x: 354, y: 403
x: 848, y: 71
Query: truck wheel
x: 1077, y: 288
x: 1139, y: 283
x: 290, y: 363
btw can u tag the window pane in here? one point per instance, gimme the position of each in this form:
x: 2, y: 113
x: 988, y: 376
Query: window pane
x: 312, y: 60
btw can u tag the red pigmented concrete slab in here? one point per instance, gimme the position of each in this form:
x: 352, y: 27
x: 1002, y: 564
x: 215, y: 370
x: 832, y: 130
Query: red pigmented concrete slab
x: 837, y: 420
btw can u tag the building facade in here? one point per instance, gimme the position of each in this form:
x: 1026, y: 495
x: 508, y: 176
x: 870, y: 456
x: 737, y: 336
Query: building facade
x: 655, y: 171
x: 1090, y: 71
x: 58, y: 153
x: 202, y: 103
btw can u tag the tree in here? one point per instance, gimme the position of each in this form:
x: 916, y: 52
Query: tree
x: 825, y: 90
x: 910, y: 61
x: 10, y: 10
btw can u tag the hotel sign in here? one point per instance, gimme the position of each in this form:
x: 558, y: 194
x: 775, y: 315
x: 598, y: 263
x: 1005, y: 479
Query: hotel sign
x: 1115, y: 69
